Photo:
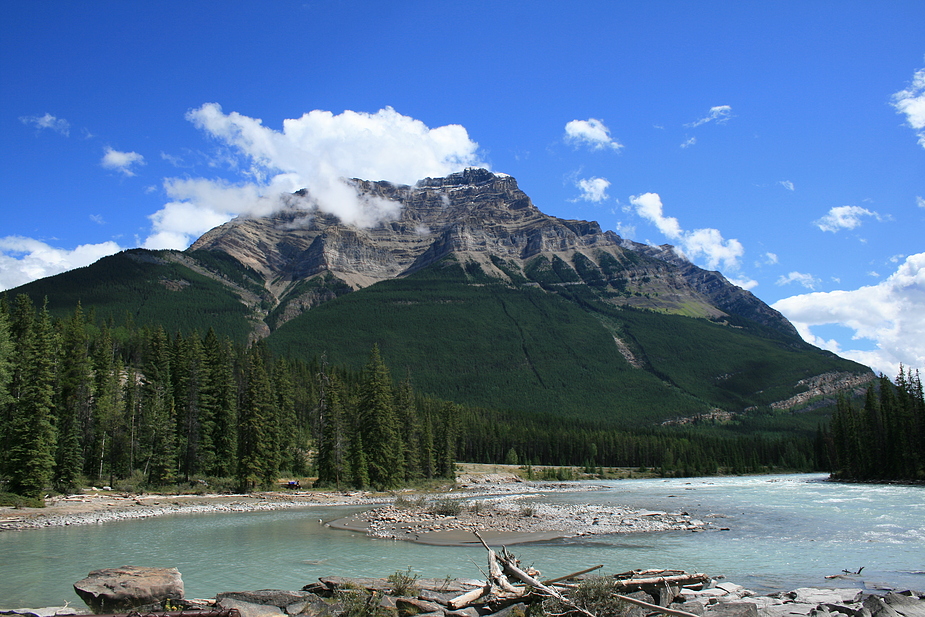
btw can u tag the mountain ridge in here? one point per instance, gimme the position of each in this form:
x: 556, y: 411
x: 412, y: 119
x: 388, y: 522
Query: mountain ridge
x: 484, y: 217
x: 482, y: 297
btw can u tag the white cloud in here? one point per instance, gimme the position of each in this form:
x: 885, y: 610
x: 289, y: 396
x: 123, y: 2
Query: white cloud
x: 843, y: 217
x: 806, y: 280
x: 911, y: 102
x: 890, y: 313
x: 719, y: 114
x: 787, y: 184
x: 593, y: 189
x: 690, y: 142
x: 592, y: 133
x: 920, y: 202
x: 317, y: 151
x: 48, y: 121
x: 25, y: 259
x: 770, y: 258
x: 707, y: 243
x: 121, y: 161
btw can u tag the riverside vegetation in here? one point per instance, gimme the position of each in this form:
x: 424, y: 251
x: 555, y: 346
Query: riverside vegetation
x: 126, y: 406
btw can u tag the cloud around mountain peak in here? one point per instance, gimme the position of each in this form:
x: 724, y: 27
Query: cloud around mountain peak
x: 317, y: 151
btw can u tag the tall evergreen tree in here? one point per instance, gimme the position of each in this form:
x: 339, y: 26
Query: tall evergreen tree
x: 6, y: 376
x: 257, y: 457
x: 158, y: 443
x: 378, y: 425
x: 218, y: 408
x: 409, y: 429
x: 109, y: 411
x: 78, y: 446
x: 333, y: 446
x: 32, y: 436
x: 187, y: 373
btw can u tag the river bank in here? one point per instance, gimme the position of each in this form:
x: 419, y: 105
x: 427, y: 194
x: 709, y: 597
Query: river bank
x: 501, y: 506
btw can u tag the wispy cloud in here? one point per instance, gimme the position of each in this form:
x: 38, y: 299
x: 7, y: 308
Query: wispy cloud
x: 920, y: 202
x: 25, y: 259
x: 806, y: 280
x: 121, y: 161
x: 591, y: 133
x: 890, y: 313
x: 787, y: 184
x: 688, y: 143
x: 48, y: 121
x: 719, y: 114
x: 844, y: 217
x: 593, y: 189
x: 707, y: 244
x: 317, y: 151
x: 911, y: 103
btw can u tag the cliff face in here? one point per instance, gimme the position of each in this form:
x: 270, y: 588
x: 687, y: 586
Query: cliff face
x: 473, y: 216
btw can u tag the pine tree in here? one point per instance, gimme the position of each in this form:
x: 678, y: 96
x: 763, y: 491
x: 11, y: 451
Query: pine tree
x: 288, y: 439
x: 218, y: 408
x: 187, y: 377
x: 409, y: 429
x: 158, y: 416
x: 6, y: 376
x: 257, y: 457
x: 109, y: 410
x: 333, y: 446
x: 32, y: 443
x: 378, y: 424
x: 78, y: 445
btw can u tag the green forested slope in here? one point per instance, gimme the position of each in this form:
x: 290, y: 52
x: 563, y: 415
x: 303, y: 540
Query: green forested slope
x: 142, y: 287
x: 473, y: 340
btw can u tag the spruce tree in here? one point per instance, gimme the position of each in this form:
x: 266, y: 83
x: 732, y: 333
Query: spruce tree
x: 78, y: 447
x: 6, y: 376
x: 158, y: 414
x: 409, y: 429
x: 218, y: 408
x: 257, y: 457
x: 333, y: 445
x: 32, y: 442
x: 378, y: 424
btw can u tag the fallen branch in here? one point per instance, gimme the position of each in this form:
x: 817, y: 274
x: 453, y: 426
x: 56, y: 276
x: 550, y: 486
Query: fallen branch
x: 654, y: 607
x: 511, y: 568
x: 659, y: 580
x: 550, y: 581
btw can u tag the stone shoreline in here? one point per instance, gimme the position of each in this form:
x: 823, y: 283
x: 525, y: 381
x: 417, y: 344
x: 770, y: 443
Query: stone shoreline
x: 501, y: 507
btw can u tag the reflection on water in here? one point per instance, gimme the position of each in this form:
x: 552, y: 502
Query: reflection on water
x: 784, y: 532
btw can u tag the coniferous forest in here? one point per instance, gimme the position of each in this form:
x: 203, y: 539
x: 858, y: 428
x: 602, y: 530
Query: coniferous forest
x: 92, y: 401
x: 883, y: 438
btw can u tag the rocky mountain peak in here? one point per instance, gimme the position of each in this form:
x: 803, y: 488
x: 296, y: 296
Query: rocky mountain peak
x: 473, y: 216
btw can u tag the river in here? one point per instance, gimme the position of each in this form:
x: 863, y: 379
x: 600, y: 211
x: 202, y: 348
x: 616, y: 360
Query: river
x: 784, y: 532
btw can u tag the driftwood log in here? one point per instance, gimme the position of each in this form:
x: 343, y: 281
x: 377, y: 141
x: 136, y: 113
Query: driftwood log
x: 504, y: 567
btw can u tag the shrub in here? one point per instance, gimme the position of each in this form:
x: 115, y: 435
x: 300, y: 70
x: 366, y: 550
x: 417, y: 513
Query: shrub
x: 403, y: 583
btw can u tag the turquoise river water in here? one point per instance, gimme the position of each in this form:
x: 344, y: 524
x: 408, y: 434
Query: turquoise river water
x: 784, y: 532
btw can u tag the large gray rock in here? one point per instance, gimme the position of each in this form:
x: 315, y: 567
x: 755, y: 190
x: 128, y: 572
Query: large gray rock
x: 114, y: 590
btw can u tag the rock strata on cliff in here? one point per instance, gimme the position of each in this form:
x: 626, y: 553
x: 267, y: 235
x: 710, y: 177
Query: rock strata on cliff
x: 474, y: 216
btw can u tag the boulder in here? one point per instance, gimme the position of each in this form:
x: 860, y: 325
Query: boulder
x: 115, y: 590
x: 249, y: 609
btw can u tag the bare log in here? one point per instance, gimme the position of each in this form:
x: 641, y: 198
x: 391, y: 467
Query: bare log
x: 550, y: 581
x: 469, y: 597
x: 654, y: 607
x: 662, y: 580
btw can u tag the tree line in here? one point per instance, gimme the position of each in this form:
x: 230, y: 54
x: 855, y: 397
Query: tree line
x: 87, y: 402
x: 883, y: 438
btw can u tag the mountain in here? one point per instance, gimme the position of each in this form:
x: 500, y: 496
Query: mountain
x: 482, y: 298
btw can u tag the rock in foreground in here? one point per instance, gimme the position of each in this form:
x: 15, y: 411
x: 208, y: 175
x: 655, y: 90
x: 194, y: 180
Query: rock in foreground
x: 114, y: 590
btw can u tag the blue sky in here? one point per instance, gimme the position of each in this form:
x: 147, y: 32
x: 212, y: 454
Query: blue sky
x: 781, y: 143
